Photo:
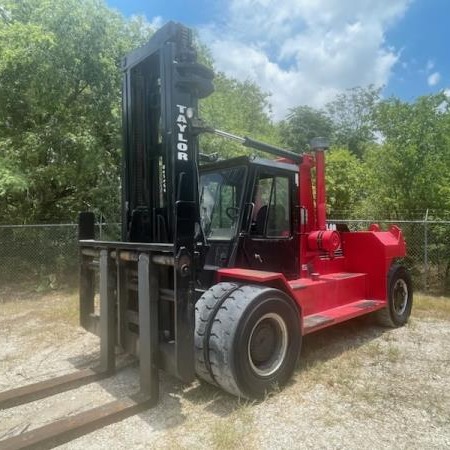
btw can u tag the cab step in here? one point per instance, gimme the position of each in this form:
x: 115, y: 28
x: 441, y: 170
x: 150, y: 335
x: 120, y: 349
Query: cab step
x: 339, y: 314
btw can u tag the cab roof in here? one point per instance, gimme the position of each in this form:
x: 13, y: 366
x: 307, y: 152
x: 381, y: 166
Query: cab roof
x: 248, y: 161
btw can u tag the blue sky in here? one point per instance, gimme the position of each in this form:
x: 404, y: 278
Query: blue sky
x: 306, y: 51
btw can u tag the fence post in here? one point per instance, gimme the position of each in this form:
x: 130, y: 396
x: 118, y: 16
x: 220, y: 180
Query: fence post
x: 100, y: 226
x: 425, y: 251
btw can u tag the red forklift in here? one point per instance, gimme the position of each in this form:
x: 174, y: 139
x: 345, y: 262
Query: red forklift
x: 223, y: 264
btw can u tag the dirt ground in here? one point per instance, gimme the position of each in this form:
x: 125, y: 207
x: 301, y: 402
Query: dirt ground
x: 357, y: 386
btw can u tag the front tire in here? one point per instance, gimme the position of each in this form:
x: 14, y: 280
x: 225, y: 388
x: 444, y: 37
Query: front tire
x: 205, y: 310
x: 254, y: 341
x: 400, y: 298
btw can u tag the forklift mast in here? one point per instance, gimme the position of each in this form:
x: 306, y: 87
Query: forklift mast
x: 162, y: 82
x: 149, y: 276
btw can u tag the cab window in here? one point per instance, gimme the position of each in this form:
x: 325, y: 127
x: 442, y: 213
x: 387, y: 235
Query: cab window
x: 220, y: 202
x: 271, y: 214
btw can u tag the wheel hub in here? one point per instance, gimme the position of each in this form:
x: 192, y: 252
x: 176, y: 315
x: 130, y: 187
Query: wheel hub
x: 267, y: 345
x: 263, y: 342
x: 400, y: 297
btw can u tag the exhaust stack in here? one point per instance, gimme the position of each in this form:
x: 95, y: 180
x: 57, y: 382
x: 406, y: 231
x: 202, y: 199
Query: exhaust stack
x: 319, y: 145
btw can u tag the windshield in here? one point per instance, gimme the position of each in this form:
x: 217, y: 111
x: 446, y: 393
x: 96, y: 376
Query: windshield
x: 221, y: 201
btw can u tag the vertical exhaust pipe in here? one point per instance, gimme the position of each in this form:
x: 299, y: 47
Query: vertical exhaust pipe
x: 319, y: 145
x: 322, y: 239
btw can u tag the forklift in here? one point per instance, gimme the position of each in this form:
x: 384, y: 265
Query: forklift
x: 230, y: 259
x: 223, y: 264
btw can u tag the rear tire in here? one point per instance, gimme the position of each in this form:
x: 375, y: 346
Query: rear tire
x: 400, y: 298
x: 254, y: 341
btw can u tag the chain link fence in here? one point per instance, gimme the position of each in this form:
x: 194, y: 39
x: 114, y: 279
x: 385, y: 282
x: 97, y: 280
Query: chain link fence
x: 46, y: 256
x: 43, y: 256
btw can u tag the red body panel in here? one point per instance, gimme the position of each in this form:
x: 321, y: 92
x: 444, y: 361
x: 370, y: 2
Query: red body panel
x: 372, y: 252
x: 332, y: 286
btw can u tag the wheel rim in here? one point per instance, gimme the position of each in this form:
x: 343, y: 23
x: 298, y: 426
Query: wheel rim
x: 400, y: 296
x: 267, y: 345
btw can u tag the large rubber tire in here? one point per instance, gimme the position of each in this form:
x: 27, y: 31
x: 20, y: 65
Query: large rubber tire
x: 205, y: 310
x: 400, y: 298
x: 253, y: 341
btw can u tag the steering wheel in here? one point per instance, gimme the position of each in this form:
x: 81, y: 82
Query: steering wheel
x: 232, y: 212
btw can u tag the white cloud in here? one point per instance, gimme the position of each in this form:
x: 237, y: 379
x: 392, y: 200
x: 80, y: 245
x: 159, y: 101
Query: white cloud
x: 434, y: 79
x: 430, y: 66
x: 305, y: 51
x: 157, y: 22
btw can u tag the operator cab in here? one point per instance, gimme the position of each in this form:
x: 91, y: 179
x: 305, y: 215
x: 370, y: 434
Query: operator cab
x: 247, y: 215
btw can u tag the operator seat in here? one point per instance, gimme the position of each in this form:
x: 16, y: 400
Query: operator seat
x: 278, y: 224
x: 260, y: 221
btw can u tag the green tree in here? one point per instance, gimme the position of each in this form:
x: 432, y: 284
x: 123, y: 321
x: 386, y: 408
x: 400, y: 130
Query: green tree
x: 60, y: 115
x: 60, y: 85
x: 303, y: 124
x: 409, y: 172
x: 345, y: 183
x: 351, y: 113
x: 239, y: 107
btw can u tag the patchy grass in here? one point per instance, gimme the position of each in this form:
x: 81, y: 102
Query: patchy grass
x: 336, y: 372
x: 224, y: 434
x: 334, y: 357
x: 39, y: 318
x: 65, y: 309
x: 431, y: 307
x: 356, y: 348
x: 354, y: 383
x: 374, y: 350
x: 49, y: 307
x: 393, y: 354
x: 236, y: 430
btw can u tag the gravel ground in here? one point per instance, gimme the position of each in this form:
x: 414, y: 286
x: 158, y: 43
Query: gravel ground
x: 357, y: 386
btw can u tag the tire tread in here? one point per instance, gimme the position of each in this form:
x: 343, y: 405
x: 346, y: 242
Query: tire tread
x: 203, y: 310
